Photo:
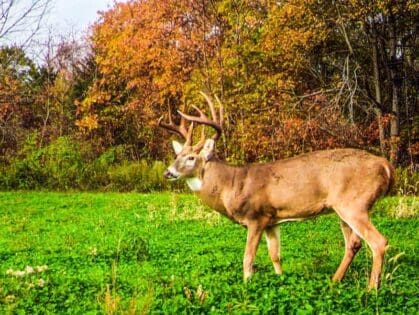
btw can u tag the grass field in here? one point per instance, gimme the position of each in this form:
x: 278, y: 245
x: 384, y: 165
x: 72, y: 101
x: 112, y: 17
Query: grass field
x: 164, y: 253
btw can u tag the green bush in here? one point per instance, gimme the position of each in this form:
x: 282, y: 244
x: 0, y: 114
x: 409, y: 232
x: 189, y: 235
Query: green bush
x: 62, y: 163
x: 137, y: 176
x: 25, y: 171
x: 397, y: 207
x: 95, y: 173
x: 66, y: 164
x: 111, y: 171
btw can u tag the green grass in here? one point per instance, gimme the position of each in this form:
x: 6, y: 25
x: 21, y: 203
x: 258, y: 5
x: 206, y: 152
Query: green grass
x: 165, y: 253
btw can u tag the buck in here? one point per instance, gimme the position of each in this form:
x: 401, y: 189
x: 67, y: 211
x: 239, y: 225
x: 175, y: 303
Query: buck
x: 261, y: 196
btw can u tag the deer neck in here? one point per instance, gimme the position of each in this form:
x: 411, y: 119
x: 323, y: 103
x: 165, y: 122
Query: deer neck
x: 211, y: 182
x: 196, y: 183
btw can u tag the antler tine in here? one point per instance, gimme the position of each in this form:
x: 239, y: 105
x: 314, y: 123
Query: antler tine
x: 221, y: 111
x: 203, y: 119
x: 197, y: 147
x: 189, y: 135
x: 210, y: 104
x: 178, y: 129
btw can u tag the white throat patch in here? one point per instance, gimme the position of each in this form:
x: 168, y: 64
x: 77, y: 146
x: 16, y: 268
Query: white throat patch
x: 194, y: 183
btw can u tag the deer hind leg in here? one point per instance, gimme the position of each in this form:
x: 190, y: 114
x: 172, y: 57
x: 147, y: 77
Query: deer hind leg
x: 274, y: 247
x: 361, y: 225
x: 352, y: 246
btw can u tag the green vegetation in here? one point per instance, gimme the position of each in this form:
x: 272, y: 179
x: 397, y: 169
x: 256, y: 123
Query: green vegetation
x: 67, y: 164
x: 84, y: 253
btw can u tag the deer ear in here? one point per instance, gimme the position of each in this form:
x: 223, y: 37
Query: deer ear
x: 208, y: 150
x: 177, y: 146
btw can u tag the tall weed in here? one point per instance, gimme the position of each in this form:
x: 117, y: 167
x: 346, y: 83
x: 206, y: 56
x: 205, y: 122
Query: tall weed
x: 62, y: 163
x: 139, y: 176
x: 25, y: 171
x: 68, y: 164
x: 397, y: 207
x: 95, y: 172
x: 407, y: 182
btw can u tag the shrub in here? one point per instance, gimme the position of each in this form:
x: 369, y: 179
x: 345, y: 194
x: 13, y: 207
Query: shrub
x: 94, y: 175
x: 139, y: 176
x: 407, y: 182
x: 25, y: 171
x: 68, y: 164
x: 397, y: 207
x: 62, y: 163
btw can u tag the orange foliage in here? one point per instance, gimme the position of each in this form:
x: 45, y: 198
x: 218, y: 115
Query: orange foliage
x: 147, y: 50
x: 269, y: 61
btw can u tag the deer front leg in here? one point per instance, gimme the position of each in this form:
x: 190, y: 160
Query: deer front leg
x: 254, y: 233
x: 274, y: 246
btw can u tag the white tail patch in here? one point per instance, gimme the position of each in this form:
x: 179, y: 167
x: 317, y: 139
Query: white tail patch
x: 194, y: 183
x: 388, y: 171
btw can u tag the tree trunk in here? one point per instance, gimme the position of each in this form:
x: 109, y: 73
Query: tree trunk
x: 377, y: 88
x: 396, y: 82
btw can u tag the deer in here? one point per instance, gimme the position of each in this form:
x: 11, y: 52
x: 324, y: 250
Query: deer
x: 261, y: 196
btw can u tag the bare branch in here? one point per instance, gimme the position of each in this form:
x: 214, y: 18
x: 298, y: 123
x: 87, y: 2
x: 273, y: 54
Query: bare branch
x: 21, y: 18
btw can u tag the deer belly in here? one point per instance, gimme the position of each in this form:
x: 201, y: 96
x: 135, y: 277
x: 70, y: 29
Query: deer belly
x: 298, y: 213
x: 297, y: 201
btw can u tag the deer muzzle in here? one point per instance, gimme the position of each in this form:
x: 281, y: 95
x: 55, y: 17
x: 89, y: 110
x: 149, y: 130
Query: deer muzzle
x: 171, y: 174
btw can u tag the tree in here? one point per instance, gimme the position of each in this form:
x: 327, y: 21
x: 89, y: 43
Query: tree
x: 19, y: 85
x: 21, y: 19
x: 294, y: 75
x: 145, y: 52
x: 380, y: 37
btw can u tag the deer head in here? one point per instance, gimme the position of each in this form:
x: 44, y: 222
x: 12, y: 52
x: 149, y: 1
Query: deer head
x: 190, y: 159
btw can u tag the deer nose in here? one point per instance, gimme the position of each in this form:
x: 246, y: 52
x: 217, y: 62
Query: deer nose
x: 169, y: 175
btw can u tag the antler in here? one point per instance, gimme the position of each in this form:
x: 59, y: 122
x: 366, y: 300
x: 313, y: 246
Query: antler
x: 178, y: 129
x: 215, y: 123
x: 181, y: 130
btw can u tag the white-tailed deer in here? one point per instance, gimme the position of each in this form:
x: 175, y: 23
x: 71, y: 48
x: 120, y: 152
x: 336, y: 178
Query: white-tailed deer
x: 261, y: 196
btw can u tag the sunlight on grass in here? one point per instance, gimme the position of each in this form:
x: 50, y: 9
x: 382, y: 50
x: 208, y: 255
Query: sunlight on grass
x: 167, y: 253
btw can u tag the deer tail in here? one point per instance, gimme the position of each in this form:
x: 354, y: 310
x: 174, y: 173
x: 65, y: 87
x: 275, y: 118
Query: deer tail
x: 390, y: 176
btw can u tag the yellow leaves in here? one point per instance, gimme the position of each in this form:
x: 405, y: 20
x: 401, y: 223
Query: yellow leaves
x: 412, y: 5
x: 251, y: 21
x: 284, y: 82
x: 147, y: 49
x: 88, y: 122
x: 292, y: 31
x: 61, y: 86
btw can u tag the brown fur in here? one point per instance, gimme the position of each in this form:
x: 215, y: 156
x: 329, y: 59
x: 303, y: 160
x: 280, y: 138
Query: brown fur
x: 298, y: 187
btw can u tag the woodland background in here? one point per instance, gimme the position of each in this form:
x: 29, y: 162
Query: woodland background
x: 294, y: 76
